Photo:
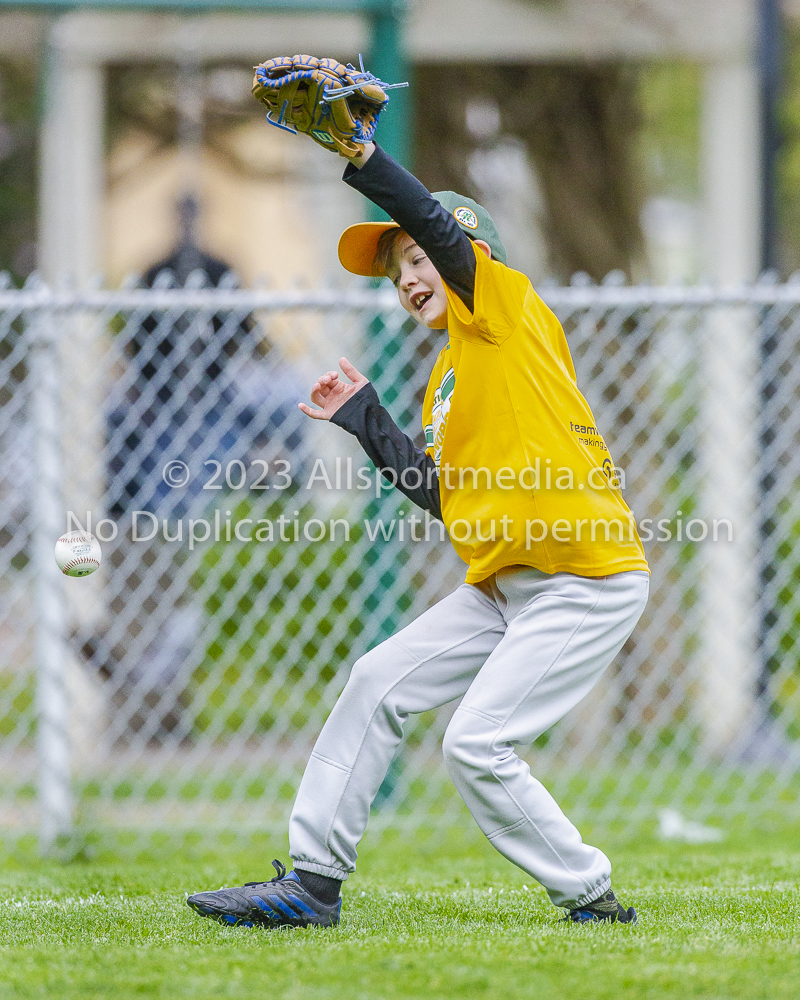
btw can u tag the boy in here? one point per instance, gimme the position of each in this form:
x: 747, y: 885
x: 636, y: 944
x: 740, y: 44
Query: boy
x: 516, y: 469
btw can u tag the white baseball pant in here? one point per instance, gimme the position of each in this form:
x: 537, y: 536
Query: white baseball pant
x: 521, y: 649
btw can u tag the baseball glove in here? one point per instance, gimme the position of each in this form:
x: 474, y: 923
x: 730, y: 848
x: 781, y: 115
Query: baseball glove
x: 337, y: 105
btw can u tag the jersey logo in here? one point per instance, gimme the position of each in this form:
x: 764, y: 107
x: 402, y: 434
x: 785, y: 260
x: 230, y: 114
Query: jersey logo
x: 466, y: 217
x: 442, y: 400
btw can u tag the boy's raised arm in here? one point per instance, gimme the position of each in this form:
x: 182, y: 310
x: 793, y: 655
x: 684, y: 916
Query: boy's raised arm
x: 381, y: 179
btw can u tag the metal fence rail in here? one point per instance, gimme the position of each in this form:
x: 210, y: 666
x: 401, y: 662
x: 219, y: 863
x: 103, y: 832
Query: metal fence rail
x: 250, y: 556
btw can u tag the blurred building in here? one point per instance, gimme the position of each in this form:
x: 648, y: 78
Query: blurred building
x: 108, y: 209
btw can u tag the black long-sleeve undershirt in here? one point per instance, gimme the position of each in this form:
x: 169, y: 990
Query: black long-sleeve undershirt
x: 389, y: 448
x: 409, y: 203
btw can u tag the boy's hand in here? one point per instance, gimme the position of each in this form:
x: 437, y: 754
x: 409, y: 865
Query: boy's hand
x: 329, y: 392
x: 360, y: 158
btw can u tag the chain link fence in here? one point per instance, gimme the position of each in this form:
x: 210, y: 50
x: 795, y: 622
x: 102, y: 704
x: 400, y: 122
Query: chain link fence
x: 251, y: 555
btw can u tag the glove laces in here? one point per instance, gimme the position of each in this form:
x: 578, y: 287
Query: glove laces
x: 361, y: 77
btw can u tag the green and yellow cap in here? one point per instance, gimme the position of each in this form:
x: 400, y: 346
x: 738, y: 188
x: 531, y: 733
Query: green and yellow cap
x: 358, y: 244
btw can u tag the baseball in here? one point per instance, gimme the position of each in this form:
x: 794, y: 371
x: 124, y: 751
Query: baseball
x: 78, y: 553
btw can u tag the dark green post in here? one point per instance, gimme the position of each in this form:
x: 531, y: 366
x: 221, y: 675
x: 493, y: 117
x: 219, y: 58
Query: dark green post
x: 388, y: 62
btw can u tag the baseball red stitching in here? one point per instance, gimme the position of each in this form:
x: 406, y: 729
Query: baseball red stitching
x: 77, y: 562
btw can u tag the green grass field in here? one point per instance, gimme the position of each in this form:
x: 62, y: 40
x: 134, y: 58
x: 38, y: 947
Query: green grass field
x: 719, y: 921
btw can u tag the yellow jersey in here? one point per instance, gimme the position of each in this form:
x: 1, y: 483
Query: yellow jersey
x: 525, y: 478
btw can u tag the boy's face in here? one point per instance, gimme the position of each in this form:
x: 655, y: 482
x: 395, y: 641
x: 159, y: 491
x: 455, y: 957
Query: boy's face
x: 419, y: 286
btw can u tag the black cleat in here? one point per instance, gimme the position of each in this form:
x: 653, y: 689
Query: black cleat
x: 281, y: 902
x: 605, y: 910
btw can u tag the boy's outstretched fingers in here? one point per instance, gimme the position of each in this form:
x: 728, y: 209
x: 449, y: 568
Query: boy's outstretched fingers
x: 352, y: 372
x: 329, y: 392
x: 315, y: 414
x: 323, y: 387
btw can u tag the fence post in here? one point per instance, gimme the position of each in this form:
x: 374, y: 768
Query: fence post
x: 55, y: 793
x: 387, y: 60
x: 729, y: 664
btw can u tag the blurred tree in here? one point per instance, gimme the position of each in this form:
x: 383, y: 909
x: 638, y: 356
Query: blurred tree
x: 18, y: 175
x: 580, y: 126
x: 670, y: 96
x: 669, y: 141
x: 789, y: 157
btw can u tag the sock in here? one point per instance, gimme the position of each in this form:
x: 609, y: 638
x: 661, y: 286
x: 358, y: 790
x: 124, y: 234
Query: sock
x: 322, y: 887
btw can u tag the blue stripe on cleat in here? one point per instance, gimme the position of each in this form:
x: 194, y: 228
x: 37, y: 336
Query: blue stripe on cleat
x: 263, y: 905
x: 302, y: 906
x: 287, y: 910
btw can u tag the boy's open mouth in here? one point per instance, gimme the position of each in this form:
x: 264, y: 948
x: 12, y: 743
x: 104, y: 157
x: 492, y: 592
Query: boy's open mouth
x: 419, y: 299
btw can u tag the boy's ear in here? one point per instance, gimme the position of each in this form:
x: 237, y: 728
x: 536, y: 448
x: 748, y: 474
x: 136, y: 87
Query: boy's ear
x: 484, y: 246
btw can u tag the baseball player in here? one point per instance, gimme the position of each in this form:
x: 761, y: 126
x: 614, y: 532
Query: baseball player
x: 515, y: 467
